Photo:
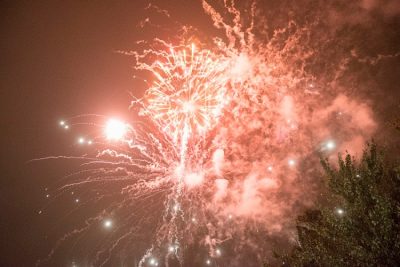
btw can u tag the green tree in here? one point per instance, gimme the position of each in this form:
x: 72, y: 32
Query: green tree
x: 361, y: 225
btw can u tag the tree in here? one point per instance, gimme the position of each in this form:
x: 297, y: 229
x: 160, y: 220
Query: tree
x: 361, y: 225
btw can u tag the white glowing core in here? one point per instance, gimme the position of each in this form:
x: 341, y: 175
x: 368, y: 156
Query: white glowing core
x: 108, y: 223
x: 115, y: 129
x: 330, y: 145
x: 194, y: 179
x: 189, y: 107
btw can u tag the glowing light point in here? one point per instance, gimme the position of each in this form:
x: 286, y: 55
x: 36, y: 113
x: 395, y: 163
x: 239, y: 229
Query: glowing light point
x: 176, y: 207
x: 189, y: 107
x: 90, y: 142
x: 208, y: 262
x: 291, y: 162
x: 64, y: 125
x: 115, y: 129
x: 107, y: 223
x: 194, y: 220
x: 153, y: 262
x: 340, y: 211
x: 218, y: 252
x: 81, y: 140
x: 270, y: 168
x: 172, y: 248
x: 77, y: 200
x: 330, y: 145
x: 230, y: 216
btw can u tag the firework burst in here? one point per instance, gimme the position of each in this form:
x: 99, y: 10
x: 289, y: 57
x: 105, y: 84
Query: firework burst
x: 225, y: 148
x: 189, y: 91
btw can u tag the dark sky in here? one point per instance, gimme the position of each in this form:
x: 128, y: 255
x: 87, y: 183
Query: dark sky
x: 58, y: 59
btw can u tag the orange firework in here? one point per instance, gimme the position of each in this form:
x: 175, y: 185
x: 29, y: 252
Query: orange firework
x: 189, y: 91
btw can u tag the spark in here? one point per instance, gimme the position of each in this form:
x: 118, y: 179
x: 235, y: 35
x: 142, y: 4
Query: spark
x: 330, y: 145
x: 153, y: 262
x: 115, y: 129
x: 340, y: 211
x: 107, y: 223
x: 291, y: 162
x: 218, y: 252
x: 63, y: 124
x: 81, y: 140
x: 173, y: 248
x: 176, y: 207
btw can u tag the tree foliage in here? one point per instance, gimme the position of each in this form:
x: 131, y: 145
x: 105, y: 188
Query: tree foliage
x: 361, y: 225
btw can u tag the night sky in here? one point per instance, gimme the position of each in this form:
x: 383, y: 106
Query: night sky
x: 57, y: 58
x: 60, y: 59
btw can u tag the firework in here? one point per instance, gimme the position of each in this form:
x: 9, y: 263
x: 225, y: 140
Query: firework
x: 189, y: 91
x: 226, y: 147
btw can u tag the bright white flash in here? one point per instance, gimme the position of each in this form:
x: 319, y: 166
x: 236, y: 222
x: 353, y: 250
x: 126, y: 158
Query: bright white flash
x: 115, y: 129
x: 189, y: 107
x: 63, y: 124
x: 153, y: 262
x: 218, y: 252
x: 107, y: 223
x: 330, y: 145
